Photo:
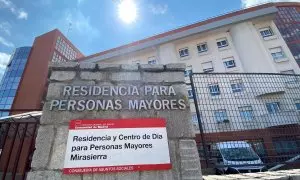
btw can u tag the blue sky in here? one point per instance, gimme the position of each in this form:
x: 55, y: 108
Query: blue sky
x: 96, y: 25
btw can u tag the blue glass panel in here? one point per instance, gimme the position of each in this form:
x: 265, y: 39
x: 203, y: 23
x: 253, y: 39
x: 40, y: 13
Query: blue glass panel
x: 17, y: 79
x: 3, y: 100
x: 13, y: 73
x: 298, y: 106
x: 15, y: 86
x: 9, y: 100
x: 19, y: 73
x: 6, y: 92
x: 7, y: 106
x: 12, y: 93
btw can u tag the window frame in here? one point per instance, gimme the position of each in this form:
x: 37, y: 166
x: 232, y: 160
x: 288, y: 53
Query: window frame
x: 213, y: 86
x: 224, y: 118
x: 240, y: 87
x: 266, y: 29
x: 227, y: 60
x: 136, y: 62
x: 188, y: 71
x: 281, y: 144
x: 190, y: 94
x: 152, y: 59
x: 185, y: 55
x: 207, y: 70
x: 274, y: 54
x: 297, y: 104
x: 200, y: 46
x: 274, y: 110
x: 222, y: 45
x: 243, y: 109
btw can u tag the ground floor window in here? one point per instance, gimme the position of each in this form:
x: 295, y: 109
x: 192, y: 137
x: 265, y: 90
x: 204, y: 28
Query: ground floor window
x: 286, y: 145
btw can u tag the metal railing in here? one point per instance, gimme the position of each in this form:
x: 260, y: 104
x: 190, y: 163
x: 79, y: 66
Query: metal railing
x: 246, y: 122
x: 17, y: 144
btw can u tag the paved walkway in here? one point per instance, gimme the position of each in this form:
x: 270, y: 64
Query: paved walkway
x: 293, y: 174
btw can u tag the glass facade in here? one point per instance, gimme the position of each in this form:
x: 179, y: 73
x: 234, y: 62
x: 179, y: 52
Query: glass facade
x: 287, y: 21
x: 11, y: 78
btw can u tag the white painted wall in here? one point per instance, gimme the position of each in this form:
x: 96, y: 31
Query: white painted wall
x: 251, y: 54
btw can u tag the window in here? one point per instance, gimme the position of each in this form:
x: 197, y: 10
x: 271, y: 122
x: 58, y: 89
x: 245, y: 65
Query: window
x: 136, y: 62
x: 273, y: 107
x: 221, y: 115
x: 190, y: 92
x: 229, y: 63
x: 214, y: 89
x: 246, y: 112
x: 290, y: 79
x: 207, y: 67
x: 202, y: 47
x: 195, y: 121
x: 266, y: 32
x: 286, y: 145
x: 297, y: 103
x: 237, y: 85
x: 152, y: 60
x: 188, y: 71
x: 222, y: 43
x: 184, y: 52
x: 277, y: 53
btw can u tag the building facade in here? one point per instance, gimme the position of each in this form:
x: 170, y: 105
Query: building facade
x: 234, y: 106
x: 32, y: 83
x: 288, y: 22
x: 12, y: 77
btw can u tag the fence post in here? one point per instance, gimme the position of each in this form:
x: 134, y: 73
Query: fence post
x: 199, y: 118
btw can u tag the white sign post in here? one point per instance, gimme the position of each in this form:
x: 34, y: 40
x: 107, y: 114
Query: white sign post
x: 117, y: 145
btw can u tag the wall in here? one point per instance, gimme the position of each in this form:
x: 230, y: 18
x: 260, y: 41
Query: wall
x: 246, y: 46
x: 34, y: 79
x: 33, y: 85
x: 52, y: 134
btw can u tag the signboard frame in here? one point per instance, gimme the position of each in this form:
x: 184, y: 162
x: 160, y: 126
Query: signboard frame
x: 153, y: 154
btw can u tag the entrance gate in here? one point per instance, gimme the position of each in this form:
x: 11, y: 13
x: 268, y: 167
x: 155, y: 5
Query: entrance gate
x: 17, y: 144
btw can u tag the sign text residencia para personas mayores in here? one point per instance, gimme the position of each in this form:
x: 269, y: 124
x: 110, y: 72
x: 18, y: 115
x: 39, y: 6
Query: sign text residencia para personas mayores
x: 115, y: 92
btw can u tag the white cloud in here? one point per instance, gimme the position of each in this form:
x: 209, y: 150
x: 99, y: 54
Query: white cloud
x: 249, y: 3
x: 158, y: 8
x: 22, y: 14
x: 19, y: 12
x: 4, y: 59
x: 80, y: 24
x: 5, y: 27
x: 5, y: 42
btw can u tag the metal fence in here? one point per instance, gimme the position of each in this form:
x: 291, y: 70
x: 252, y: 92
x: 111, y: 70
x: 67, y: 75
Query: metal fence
x: 246, y: 122
x: 17, y: 144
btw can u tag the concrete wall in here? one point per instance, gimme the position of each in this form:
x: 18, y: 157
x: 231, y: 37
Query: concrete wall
x: 246, y: 45
x: 251, y: 53
x: 52, y: 135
